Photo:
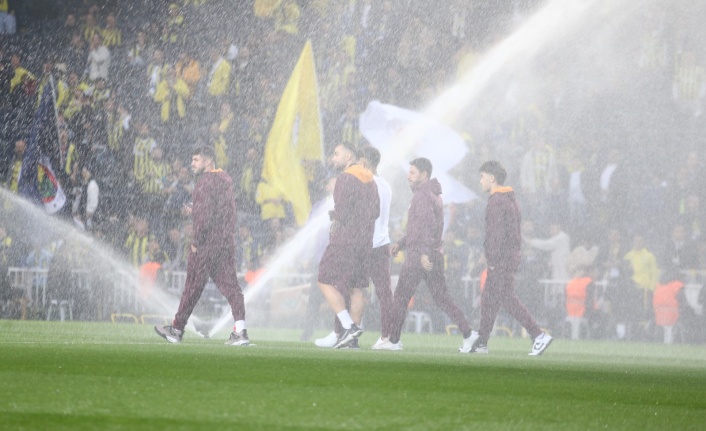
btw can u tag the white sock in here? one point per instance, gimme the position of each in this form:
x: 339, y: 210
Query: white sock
x: 620, y: 330
x: 345, y: 319
x: 239, y: 325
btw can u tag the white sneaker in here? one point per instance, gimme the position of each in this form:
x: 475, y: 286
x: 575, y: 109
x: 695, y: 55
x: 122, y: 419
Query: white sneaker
x: 471, y: 343
x: 388, y: 345
x: 378, y: 343
x: 328, y: 341
x: 541, y: 343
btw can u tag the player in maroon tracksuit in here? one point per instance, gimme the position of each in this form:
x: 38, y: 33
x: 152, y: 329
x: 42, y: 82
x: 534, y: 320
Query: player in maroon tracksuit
x: 425, y: 258
x: 343, y: 265
x: 212, y: 249
x: 502, y: 253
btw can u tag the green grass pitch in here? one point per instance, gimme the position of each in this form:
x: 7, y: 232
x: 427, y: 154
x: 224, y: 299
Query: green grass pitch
x: 102, y: 376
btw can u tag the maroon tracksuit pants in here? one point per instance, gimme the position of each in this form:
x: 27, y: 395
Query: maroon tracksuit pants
x: 378, y: 263
x: 219, y: 265
x: 499, y: 292
x: 411, y: 275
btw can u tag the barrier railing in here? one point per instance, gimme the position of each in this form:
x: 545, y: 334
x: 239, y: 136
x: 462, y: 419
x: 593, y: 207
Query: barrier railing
x: 121, y: 288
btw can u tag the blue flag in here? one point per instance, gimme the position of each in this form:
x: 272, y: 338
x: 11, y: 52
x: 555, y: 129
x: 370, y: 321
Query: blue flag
x: 37, y: 181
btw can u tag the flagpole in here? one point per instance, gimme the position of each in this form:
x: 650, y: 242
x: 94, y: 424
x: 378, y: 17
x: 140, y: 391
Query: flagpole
x: 56, y: 118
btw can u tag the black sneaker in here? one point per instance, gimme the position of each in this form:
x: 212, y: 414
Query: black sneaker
x: 238, y: 338
x: 352, y: 345
x: 348, y: 336
x: 169, y: 333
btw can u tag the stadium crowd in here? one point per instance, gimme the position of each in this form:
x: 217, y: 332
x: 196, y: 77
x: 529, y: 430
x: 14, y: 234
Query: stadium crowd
x: 138, y: 86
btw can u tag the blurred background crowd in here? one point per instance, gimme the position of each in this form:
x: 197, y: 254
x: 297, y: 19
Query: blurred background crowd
x: 139, y: 84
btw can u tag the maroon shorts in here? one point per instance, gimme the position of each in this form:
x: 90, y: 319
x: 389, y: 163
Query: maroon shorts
x: 344, y: 266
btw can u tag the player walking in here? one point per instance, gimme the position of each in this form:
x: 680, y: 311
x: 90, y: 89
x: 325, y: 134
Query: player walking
x: 212, y: 249
x: 502, y: 254
x: 343, y: 265
x: 424, y: 260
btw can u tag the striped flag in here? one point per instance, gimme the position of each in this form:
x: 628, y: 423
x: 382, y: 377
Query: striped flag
x: 37, y: 181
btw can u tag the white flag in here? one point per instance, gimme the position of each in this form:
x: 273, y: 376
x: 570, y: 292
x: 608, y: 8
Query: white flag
x: 403, y: 135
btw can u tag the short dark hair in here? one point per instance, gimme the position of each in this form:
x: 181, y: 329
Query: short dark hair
x: 495, y: 169
x: 423, y: 165
x: 350, y: 147
x: 371, y: 154
x: 205, y: 151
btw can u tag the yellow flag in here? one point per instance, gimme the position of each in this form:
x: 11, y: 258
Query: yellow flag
x: 295, y: 137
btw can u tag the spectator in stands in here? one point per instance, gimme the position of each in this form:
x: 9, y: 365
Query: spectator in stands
x: 172, y: 94
x: 219, y: 78
x: 583, y: 256
x: 112, y: 35
x: 178, y: 194
x: 246, y: 190
x: 644, y: 269
x: 6, y: 73
x: 223, y: 138
x: 536, y: 173
x: 153, y: 185
x: 13, y: 173
x: 8, y: 256
x: 21, y: 75
x: 176, y: 248
x: 559, y: 245
x: 8, y: 24
x: 173, y: 29
x: 90, y: 28
x: 679, y: 251
x: 144, y: 144
x: 140, y: 53
x: 86, y: 205
x: 155, y: 71
x: 75, y: 55
x: 136, y: 243
x: 98, y: 59
x: 188, y: 69
x: 271, y: 203
x: 693, y: 218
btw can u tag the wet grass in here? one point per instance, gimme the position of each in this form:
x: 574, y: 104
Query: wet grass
x: 103, y: 376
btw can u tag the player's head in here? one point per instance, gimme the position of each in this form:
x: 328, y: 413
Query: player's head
x: 344, y: 155
x: 419, y: 172
x: 203, y: 159
x: 492, y: 174
x: 370, y: 158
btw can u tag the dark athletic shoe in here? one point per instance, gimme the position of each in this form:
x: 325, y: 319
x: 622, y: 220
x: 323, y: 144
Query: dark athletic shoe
x: 238, y: 338
x: 348, y: 336
x: 169, y: 333
x: 353, y: 345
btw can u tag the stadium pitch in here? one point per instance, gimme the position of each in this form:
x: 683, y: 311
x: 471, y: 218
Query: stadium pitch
x: 103, y: 376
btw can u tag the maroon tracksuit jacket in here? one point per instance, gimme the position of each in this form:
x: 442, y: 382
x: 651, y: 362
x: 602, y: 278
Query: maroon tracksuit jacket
x: 425, y: 225
x: 356, y: 206
x: 214, y: 221
x: 503, y: 243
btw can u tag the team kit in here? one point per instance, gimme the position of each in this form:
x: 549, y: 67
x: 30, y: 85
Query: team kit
x: 359, y: 251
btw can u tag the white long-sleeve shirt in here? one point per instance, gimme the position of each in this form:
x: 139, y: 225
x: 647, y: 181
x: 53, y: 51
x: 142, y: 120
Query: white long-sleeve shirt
x: 92, y: 192
x: 98, y: 63
x: 382, y: 223
x: 559, y: 246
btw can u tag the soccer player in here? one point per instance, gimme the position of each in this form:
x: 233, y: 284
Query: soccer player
x: 425, y: 259
x: 343, y: 265
x: 213, y: 248
x: 378, y: 263
x: 379, y: 258
x: 502, y: 254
